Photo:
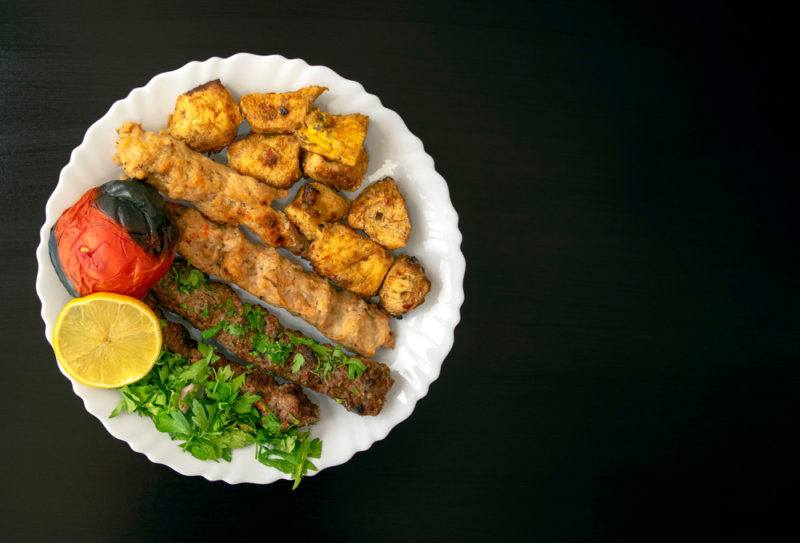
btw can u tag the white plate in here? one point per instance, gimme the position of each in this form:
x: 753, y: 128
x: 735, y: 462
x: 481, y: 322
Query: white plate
x: 424, y: 337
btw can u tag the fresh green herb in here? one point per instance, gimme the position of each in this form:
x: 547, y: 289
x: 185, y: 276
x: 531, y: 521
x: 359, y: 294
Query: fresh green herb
x: 203, y: 312
x: 298, y: 362
x: 355, y: 368
x: 230, y: 309
x: 208, y: 333
x: 162, y: 323
x: 236, y: 330
x: 328, y: 359
x: 255, y: 317
x: 206, y: 410
x: 276, y: 351
x: 188, y: 281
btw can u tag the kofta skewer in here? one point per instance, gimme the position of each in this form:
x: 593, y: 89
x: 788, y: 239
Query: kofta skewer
x: 287, y: 401
x: 251, y: 333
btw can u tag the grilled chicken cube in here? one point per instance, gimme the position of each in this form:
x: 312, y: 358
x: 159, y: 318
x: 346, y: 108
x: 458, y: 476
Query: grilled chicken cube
x: 314, y: 206
x: 349, y: 259
x: 205, y: 118
x: 275, y: 160
x: 404, y: 287
x: 278, y: 112
x: 336, y: 137
x: 335, y: 174
x: 381, y: 212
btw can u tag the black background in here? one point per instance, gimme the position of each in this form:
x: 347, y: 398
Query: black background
x: 626, y: 366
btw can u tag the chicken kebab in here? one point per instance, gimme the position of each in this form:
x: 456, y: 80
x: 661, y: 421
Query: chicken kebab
x: 219, y: 192
x: 226, y: 252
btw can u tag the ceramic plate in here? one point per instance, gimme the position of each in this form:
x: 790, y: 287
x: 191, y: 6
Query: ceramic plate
x: 423, y: 338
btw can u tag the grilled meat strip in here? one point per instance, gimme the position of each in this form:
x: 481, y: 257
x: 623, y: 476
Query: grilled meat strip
x: 288, y: 402
x: 216, y: 306
x: 226, y: 252
x: 218, y: 192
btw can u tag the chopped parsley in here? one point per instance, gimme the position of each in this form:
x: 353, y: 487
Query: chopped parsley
x: 298, y: 362
x: 236, y: 330
x: 189, y: 280
x: 206, y: 410
x: 328, y: 359
x: 276, y: 351
x: 208, y: 333
x: 262, y: 344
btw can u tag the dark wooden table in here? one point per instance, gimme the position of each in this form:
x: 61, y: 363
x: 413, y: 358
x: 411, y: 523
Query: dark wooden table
x: 626, y: 366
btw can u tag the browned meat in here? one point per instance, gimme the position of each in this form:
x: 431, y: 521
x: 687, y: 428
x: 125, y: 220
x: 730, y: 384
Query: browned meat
x: 288, y: 401
x: 264, y: 272
x: 216, y: 190
x: 251, y: 333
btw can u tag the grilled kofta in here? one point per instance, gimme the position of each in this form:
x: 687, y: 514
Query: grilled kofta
x: 288, y: 402
x: 251, y: 333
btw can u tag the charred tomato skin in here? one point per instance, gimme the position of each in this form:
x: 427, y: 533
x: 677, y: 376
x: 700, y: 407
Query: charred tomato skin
x: 119, y: 237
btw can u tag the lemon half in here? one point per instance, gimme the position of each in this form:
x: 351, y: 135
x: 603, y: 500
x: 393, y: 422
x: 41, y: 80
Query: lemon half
x: 107, y: 340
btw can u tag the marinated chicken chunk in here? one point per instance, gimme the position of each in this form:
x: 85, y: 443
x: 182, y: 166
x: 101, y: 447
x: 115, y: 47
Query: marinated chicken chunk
x: 349, y: 259
x: 404, y: 287
x: 336, y: 137
x: 205, y: 118
x: 314, y: 206
x: 275, y: 160
x: 380, y: 211
x: 335, y: 174
x: 278, y: 112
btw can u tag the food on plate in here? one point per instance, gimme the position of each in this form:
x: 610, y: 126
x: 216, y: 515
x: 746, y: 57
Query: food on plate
x: 287, y: 402
x: 251, y: 333
x: 123, y: 237
x: 404, y: 287
x: 217, y: 191
x: 278, y: 112
x: 349, y: 259
x: 275, y: 160
x: 336, y: 137
x: 227, y: 253
x: 380, y: 211
x: 119, y: 237
x: 205, y: 118
x: 212, y: 409
x: 106, y: 340
x: 314, y: 206
x: 335, y: 174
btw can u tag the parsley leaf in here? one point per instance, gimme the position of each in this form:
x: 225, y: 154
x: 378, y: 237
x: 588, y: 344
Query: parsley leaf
x: 276, y: 351
x: 330, y: 358
x: 206, y: 410
x: 298, y: 362
x: 214, y: 330
x: 236, y: 330
x: 188, y: 281
x: 355, y: 368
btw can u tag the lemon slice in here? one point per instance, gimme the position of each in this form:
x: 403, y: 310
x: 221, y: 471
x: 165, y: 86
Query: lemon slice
x: 107, y: 340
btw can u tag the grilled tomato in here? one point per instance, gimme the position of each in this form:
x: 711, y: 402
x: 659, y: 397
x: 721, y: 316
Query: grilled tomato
x: 119, y: 237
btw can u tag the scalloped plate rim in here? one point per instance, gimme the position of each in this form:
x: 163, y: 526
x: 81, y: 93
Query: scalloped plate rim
x: 457, y: 273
